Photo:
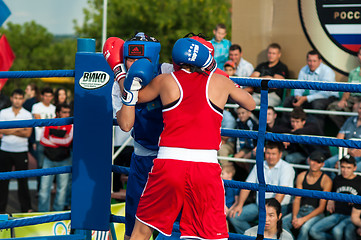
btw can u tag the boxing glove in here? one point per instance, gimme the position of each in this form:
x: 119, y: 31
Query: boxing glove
x: 138, y: 76
x: 190, y: 51
x: 113, y: 54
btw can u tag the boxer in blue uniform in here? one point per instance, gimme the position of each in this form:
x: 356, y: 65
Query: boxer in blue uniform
x: 148, y: 122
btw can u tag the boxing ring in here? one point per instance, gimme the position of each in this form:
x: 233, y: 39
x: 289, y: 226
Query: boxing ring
x: 92, y: 147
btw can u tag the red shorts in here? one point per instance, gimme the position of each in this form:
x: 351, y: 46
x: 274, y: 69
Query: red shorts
x: 193, y: 188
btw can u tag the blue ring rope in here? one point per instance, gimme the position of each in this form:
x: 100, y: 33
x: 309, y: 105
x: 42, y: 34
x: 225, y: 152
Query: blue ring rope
x: 34, y: 220
x: 35, y: 172
x: 36, y: 123
x: 38, y: 74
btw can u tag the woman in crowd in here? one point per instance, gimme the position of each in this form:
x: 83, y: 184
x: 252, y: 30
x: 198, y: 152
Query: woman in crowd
x: 273, y: 228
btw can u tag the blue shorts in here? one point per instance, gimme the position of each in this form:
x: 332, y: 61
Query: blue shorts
x: 138, y: 175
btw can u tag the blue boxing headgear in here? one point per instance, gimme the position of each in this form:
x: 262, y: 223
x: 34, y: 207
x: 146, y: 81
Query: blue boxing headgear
x: 143, y: 46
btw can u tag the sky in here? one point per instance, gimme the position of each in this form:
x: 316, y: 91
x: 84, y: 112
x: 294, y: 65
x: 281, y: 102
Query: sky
x: 55, y: 15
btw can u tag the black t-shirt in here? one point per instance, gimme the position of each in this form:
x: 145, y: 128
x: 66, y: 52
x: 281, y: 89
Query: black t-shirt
x: 347, y: 186
x: 265, y: 70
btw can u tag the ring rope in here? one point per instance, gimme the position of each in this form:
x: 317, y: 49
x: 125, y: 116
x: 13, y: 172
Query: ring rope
x: 35, y: 172
x: 36, y: 123
x: 38, y: 74
x: 34, y: 220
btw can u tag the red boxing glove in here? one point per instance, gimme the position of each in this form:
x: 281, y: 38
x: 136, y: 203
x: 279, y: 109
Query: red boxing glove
x: 113, y: 53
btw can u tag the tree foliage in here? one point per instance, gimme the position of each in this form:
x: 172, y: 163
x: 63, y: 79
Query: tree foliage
x: 167, y: 20
x: 36, y: 49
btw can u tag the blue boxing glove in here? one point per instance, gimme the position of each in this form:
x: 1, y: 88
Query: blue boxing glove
x: 190, y: 51
x: 138, y: 75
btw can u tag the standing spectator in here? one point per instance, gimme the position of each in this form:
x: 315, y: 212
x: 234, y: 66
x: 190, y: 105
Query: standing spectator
x: 57, y: 150
x: 4, y: 101
x: 273, y: 228
x: 230, y: 68
x: 243, y: 67
x: 348, y: 99
x: 13, y: 151
x: 273, y: 68
x: 32, y: 96
x: 228, y: 143
x: 336, y: 224
x: 221, y: 45
x: 42, y: 110
x: 276, y: 172
x: 315, y: 70
x: 60, y: 96
x: 307, y: 211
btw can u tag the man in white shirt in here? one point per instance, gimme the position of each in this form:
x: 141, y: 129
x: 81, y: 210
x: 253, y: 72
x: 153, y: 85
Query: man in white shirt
x: 276, y: 172
x: 243, y: 67
x: 13, y: 151
x: 42, y: 110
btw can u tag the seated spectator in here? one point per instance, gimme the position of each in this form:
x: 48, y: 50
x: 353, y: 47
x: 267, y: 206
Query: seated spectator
x: 228, y: 143
x: 348, y: 99
x: 230, y: 68
x: 273, y: 228
x: 296, y: 152
x: 315, y: 70
x: 351, y: 129
x: 307, y: 211
x: 245, y: 146
x: 273, y: 68
x: 243, y: 67
x: 274, y: 124
x: 220, y: 44
x: 336, y: 225
x: 231, y: 194
x: 355, y: 228
x: 277, y: 172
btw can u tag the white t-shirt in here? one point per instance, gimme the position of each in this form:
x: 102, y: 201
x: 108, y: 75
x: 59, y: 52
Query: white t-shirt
x: 45, y: 112
x: 12, y: 143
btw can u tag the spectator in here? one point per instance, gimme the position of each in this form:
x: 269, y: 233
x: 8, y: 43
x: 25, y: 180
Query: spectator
x: 351, y: 129
x: 60, y: 96
x: 273, y: 68
x: 231, y: 194
x: 13, y: 151
x: 277, y: 172
x: 4, y: 101
x: 339, y: 221
x: 245, y: 146
x: 348, y: 99
x: 32, y: 96
x: 57, y: 142
x: 274, y: 124
x: 228, y: 143
x: 230, y: 68
x: 296, y: 152
x: 356, y: 220
x: 315, y: 70
x: 243, y: 67
x: 221, y: 45
x: 273, y: 228
x: 42, y: 110
x: 307, y: 211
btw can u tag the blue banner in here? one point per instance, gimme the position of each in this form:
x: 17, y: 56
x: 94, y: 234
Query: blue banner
x: 4, y: 12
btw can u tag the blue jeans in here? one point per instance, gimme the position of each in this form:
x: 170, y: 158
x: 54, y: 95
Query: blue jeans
x: 336, y: 223
x: 295, y: 158
x: 62, y: 182
x: 305, y: 228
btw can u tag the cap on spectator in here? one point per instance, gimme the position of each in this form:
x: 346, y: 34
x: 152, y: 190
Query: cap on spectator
x: 230, y: 63
x: 317, y: 156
